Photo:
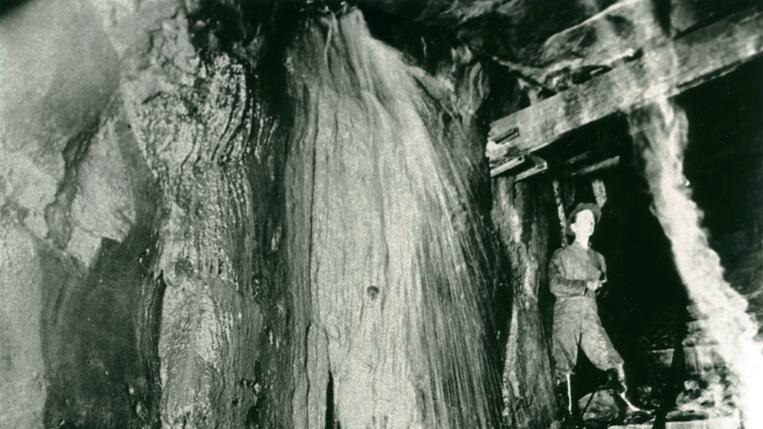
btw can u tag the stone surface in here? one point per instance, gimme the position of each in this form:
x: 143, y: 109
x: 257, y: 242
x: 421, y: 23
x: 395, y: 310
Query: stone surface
x: 508, y: 29
x: 151, y: 205
x: 193, y: 120
x: 601, y: 407
x: 372, y: 160
x: 183, y: 243
x: 551, y: 45
x: 109, y: 234
x: 56, y: 82
x: 522, y: 224
x: 598, y: 44
x: 52, y: 95
x: 22, y: 366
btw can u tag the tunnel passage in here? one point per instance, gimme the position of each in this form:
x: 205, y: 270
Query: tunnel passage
x: 205, y: 327
x: 644, y: 305
x: 646, y: 310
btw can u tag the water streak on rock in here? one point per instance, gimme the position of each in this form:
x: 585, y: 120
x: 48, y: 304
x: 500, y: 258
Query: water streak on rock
x: 660, y: 130
x: 378, y: 194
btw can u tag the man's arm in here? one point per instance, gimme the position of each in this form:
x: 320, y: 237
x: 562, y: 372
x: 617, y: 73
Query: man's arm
x: 561, y: 286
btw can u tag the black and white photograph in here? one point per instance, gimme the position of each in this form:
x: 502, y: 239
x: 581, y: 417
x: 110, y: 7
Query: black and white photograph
x: 381, y: 214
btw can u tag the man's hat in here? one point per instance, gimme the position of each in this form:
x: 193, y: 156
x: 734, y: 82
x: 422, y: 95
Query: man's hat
x: 594, y: 208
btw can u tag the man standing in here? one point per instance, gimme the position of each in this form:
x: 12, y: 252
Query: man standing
x: 576, y: 273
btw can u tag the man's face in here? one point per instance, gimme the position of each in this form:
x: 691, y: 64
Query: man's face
x: 584, y: 224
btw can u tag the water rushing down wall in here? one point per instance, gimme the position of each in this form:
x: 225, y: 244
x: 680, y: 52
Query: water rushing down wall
x: 378, y: 194
x: 660, y: 130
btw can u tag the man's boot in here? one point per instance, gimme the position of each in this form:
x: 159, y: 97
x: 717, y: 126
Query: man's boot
x: 621, y: 387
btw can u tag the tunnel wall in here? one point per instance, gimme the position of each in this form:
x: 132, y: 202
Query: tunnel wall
x: 381, y: 160
x: 144, y: 227
x: 150, y: 219
x: 524, y: 218
x: 138, y: 264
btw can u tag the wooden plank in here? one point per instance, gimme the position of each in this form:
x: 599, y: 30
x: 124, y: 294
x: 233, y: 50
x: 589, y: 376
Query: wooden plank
x: 507, y: 135
x: 609, y: 162
x: 580, y: 157
x: 532, y: 171
x: 560, y: 210
x: 666, y: 70
x: 685, y: 15
x: 524, y: 166
x: 604, y: 39
x: 508, y: 165
x: 537, y: 165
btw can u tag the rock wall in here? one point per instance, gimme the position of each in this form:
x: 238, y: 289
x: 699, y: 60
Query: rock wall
x: 385, y: 255
x: 51, y: 110
x: 229, y: 214
x: 137, y: 262
x: 144, y: 215
x: 523, y: 215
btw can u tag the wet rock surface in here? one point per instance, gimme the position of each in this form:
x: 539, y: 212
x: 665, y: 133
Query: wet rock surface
x: 522, y: 226
x: 600, y: 408
x: 257, y: 214
x: 129, y: 222
x: 513, y: 29
x: 371, y: 160
x: 143, y: 227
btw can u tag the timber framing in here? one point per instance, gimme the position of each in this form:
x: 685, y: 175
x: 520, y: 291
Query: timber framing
x: 664, y: 70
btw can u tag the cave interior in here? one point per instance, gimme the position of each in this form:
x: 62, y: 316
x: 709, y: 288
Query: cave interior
x: 261, y: 214
x: 646, y: 309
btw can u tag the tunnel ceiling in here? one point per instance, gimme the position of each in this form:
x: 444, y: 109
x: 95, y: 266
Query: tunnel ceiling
x: 548, y: 45
x: 516, y: 33
x: 507, y: 29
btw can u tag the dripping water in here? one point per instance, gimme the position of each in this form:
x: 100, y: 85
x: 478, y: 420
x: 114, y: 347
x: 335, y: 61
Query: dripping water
x: 380, y: 194
x: 660, y: 131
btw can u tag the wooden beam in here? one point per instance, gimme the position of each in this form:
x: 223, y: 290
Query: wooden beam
x: 532, y: 171
x: 508, y: 165
x: 604, y: 39
x: 609, y: 162
x: 560, y: 211
x: 537, y: 165
x: 580, y: 157
x: 688, y: 14
x: 524, y: 166
x: 665, y: 70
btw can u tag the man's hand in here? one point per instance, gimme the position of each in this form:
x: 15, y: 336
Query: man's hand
x: 593, y: 285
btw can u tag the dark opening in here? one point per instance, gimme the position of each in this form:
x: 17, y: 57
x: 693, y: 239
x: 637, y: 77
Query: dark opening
x: 724, y: 162
x: 646, y: 309
x: 331, y: 420
x: 643, y: 307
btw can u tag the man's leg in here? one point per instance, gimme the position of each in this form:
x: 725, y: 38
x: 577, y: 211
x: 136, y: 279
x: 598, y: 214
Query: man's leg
x: 600, y: 351
x: 565, y: 340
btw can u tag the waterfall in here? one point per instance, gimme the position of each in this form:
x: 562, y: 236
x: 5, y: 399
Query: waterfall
x: 378, y: 186
x: 660, y: 131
